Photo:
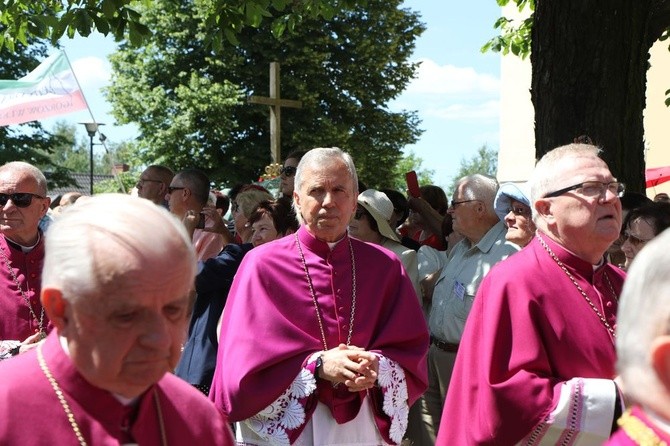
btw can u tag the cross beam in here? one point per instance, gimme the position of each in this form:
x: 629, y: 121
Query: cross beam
x: 275, y: 102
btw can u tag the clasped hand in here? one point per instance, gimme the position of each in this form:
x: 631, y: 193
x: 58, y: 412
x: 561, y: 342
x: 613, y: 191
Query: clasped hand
x: 353, y: 366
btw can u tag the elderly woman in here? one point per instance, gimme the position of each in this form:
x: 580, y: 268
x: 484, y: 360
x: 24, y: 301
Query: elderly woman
x: 244, y: 204
x: 512, y: 206
x: 641, y: 225
x: 272, y: 220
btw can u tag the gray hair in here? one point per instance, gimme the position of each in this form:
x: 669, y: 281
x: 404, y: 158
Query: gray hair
x: 545, y: 175
x: 198, y: 182
x: 479, y: 187
x: 323, y: 157
x: 95, y: 243
x: 38, y: 176
x: 644, y: 315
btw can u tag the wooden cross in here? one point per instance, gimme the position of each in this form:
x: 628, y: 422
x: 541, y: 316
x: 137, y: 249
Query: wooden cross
x: 276, y: 103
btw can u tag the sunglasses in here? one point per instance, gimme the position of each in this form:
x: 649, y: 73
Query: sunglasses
x: 288, y: 171
x: 20, y: 199
x: 518, y: 210
x: 174, y: 188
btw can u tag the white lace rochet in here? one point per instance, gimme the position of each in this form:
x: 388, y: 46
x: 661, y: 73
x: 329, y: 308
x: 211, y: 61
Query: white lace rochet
x: 287, y: 413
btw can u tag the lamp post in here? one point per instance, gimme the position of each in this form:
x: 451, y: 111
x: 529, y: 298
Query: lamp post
x: 91, y: 129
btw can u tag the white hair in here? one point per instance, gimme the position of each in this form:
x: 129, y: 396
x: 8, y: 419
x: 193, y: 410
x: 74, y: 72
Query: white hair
x: 546, y: 174
x: 323, y: 157
x: 644, y: 314
x: 479, y: 187
x: 96, y: 242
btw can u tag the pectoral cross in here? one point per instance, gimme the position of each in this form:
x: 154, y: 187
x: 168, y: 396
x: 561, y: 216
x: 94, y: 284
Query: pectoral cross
x: 276, y: 103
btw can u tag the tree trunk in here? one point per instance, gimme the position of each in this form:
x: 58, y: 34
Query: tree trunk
x: 590, y: 59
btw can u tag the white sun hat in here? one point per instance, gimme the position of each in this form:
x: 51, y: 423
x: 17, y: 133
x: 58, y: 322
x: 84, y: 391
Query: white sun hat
x: 381, y: 209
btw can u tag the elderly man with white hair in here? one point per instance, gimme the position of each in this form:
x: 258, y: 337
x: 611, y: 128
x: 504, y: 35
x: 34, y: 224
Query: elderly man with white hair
x: 322, y: 339
x: 536, y: 366
x: 117, y: 286
x: 468, y: 263
x: 643, y: 347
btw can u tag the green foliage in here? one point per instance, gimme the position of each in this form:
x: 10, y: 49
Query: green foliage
x: 410, y: 162
x: 188, y: 101
x: 222, y: 19
x: 514, y: 37
x: 114, y: 185
x: 485, y: 161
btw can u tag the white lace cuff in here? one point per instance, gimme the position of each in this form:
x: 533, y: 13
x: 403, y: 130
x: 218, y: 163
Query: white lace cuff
x: 392, y: 382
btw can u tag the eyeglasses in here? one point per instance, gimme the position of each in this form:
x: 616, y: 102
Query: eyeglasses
x: 174, y: 188
x: 141, y: 181
x: 360, y: 213
x: 20, y: 199
x: 592, y: 189
x: 634, y: 240
x: 288, y: 171
x: 518, y: 210
x: 456, y: 203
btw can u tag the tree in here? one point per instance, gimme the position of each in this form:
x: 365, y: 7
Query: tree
x: 188, y: 101
x: 21, y: 20
x: 485, y: 161
x: 589, y: 63
x: 410, y: 162
x: 75, y: 156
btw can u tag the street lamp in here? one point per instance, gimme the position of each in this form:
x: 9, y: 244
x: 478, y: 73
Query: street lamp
x: 92, y: 129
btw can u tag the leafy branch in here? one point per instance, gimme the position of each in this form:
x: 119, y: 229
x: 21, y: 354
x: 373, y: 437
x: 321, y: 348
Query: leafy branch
x: 514, y: 37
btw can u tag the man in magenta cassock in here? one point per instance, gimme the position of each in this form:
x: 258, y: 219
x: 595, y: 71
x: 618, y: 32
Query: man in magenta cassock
x: 323, y: 340
x: 116, y: 284
x: 536, y: 364
x: 23, y: 202
x: 643, y: 347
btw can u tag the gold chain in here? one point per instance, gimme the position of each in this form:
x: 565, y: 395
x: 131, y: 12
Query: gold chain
x: 68, y: 411
x: 313, y: 293
x: 40, y: 321
x: 638, y: 431
x: 583, y: 293
x: 61, y: 397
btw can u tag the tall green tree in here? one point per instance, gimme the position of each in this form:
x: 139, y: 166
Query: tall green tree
x: 589, y: 65
x: 189, y: 101
x: 485, y: 161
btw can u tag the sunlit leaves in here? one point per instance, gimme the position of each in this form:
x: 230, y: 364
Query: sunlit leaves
x: 514, y: 36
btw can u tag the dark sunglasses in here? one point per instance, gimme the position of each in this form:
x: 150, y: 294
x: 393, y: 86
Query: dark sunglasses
x: 174, y: 188
x: 289, y: 171
x: 20, y: 199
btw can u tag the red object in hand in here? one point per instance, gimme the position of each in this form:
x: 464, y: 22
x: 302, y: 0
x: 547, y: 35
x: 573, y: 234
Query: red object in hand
x: 412, y: 184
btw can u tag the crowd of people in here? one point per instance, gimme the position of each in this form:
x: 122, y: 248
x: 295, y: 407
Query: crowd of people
x: 334, y: 314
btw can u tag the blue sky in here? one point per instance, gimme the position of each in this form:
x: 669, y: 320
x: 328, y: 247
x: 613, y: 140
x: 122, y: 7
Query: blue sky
x: 456, y: 92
